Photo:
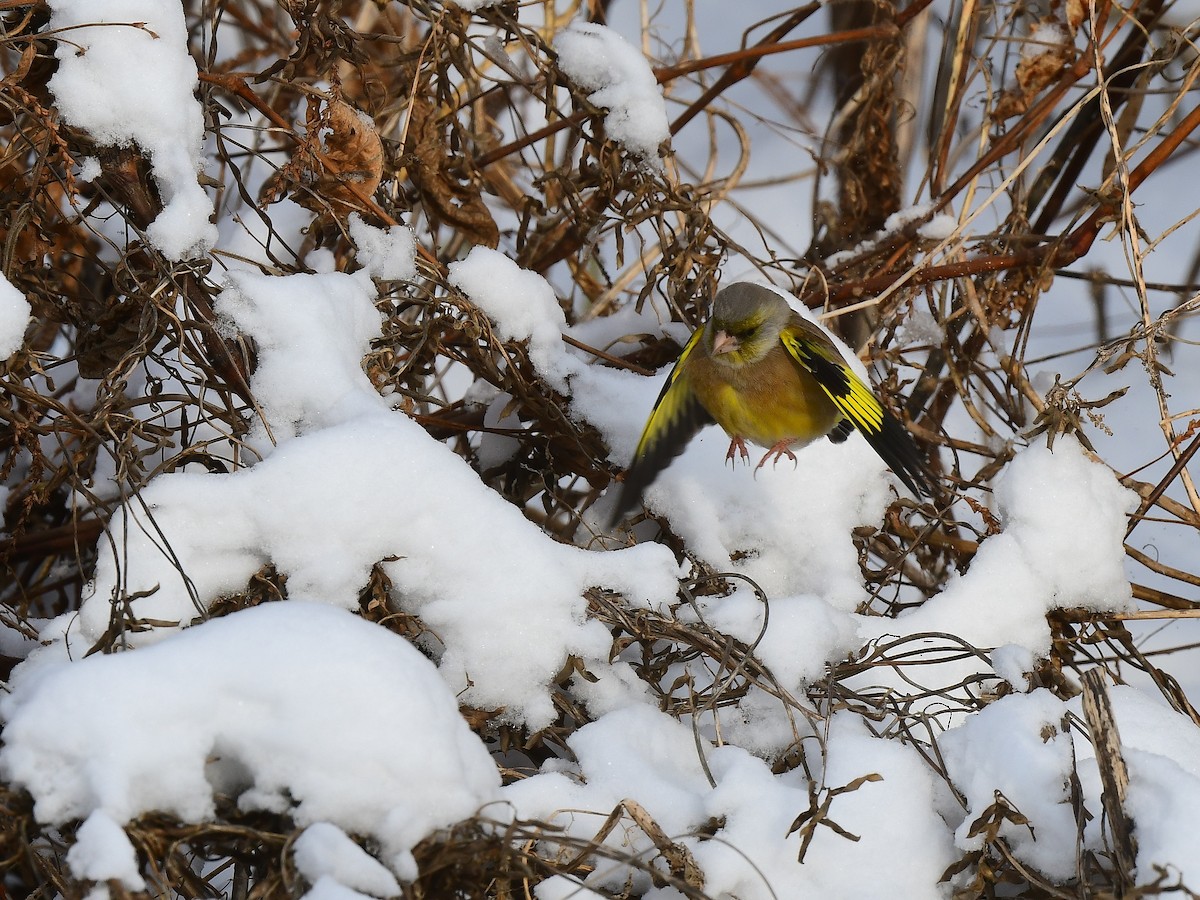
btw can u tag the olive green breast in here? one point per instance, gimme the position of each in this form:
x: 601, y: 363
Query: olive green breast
x: 765, y: 402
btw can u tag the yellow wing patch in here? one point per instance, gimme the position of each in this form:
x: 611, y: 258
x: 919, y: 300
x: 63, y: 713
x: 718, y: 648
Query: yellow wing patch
x: 675, y: 418
x: 849, y: 393
x: 672, y: 404
x: 857, y: 402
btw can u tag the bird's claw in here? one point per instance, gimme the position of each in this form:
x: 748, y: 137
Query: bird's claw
x: 779, y: 450
x: 737, y: 446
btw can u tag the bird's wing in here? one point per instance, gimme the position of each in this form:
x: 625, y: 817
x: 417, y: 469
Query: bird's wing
x: 817, y: 355
x: 674, y: 420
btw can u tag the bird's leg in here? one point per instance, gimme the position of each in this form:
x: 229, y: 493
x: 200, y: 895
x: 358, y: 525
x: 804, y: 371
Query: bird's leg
x: 736, y: 446
x: 779, y: 450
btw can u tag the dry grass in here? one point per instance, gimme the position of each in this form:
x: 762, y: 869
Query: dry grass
x: 451, y: 155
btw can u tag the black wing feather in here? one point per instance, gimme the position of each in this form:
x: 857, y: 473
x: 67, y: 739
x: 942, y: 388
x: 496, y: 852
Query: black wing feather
x: 674, y: 420
x: 861, y: 409
x: 895, y: 447
x: 658, y: 456
x: 841, y: 431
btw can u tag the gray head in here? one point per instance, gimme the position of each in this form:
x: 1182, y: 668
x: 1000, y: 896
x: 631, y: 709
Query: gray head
x: 743, y: 303
x: 745, y: 324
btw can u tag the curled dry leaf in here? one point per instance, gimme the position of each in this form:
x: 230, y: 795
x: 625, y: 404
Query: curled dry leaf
x: 339, y: 166
x: 450, y: 200
x: 1074, y: 13
x: 1042, y: 62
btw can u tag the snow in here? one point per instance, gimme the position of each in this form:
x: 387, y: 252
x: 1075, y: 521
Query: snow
x: 102, y: 851
x: 342, y: 482
x: 1021, y: 746
x: 312, y: 332
x: 617, y: 77
x: 1162, y: 752
x: 89, y: 169
x: 563, y: 887
x: 1163, y: 797
x: 650, y: 757
x: 474, y: 5
x: 1063, y: 528
x: 1044, y: 36
x: 390, y: 254
x: 304, y: 707
x: 1013, y: 663
x: 523, y: 306
x: 328, y: 888
x: 269, y: 704
x: 14, y: 318
x: 1017, y: 746
x: 920, y: 328
x: 126, y: 77
x: 939, y: 228
x: 902, y: 218
x: 325, y: 851
x: 352, y: 483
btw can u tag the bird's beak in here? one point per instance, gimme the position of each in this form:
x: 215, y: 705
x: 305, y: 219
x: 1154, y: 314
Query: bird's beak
x: 724, y: 342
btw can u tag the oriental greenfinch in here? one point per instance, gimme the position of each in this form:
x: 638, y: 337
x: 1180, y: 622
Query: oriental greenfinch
x: 769, y: 376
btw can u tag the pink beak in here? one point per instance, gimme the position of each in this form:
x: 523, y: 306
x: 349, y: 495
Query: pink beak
x: 723, y: 342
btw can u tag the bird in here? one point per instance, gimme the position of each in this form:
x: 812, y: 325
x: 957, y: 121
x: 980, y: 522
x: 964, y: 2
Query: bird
x: 769, y: 376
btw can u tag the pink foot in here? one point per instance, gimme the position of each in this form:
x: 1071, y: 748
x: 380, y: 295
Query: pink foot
x: 778, y: 451
x: 737, y: 446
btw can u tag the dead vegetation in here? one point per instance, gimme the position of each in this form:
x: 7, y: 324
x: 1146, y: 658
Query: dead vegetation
x: 1051, y: 125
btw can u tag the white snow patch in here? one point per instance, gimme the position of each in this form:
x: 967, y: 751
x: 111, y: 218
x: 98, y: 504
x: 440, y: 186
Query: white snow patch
x: 1063, y: 519
x: 312, y: 333
x: 1045, y: 37
x: 126, y: 77
x: 647, y: 756
x: 267, y: 703
x: 523, y: 306
x: 102, y: 851
x: 618, y: 78
x: 474, y: 5
x: 1019, y: 746
x: 388, y: 254
x: 325, y: 851
x: 14, y: 318
x: 938, y: 228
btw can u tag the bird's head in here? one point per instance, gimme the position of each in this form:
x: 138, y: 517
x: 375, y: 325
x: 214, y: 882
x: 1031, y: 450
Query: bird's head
x: 745, y: 324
